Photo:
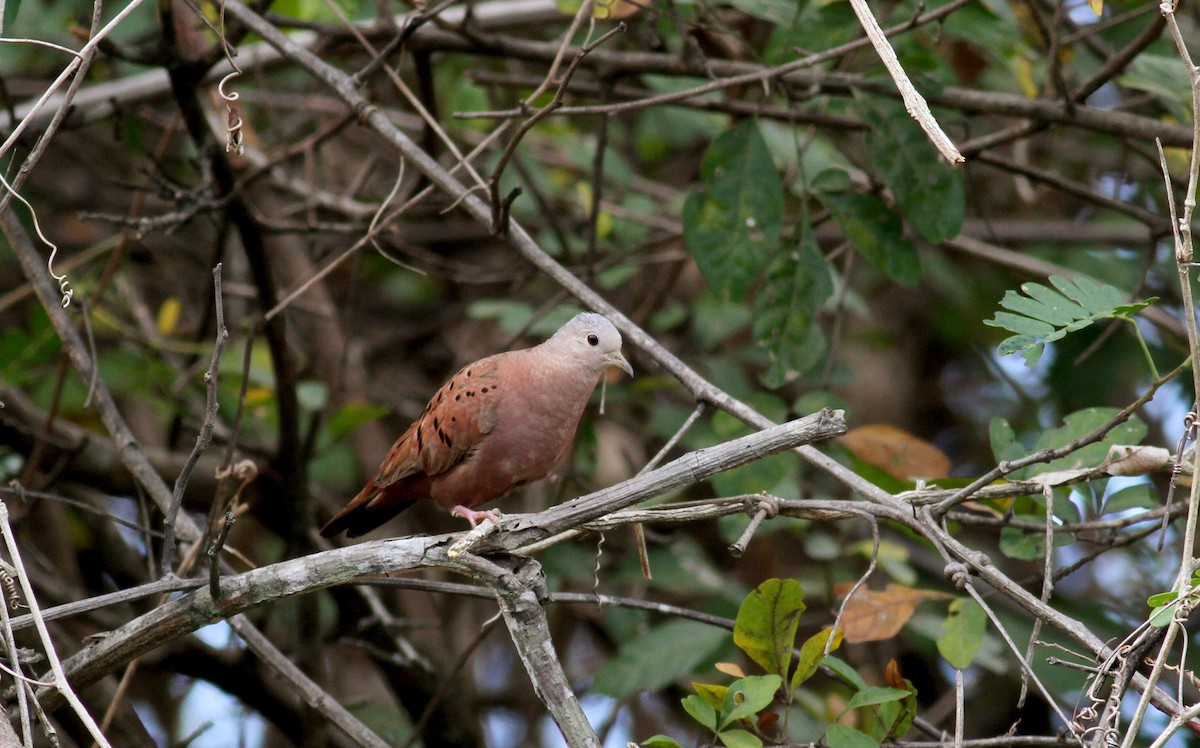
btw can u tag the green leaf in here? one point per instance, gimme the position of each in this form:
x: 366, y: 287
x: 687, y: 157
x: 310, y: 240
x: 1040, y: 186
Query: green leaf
x: 962, y: 633
x: 701, y: 711
x: 839, y: 666
x: 817, y: 25
x: 877, y: 233
x: 311, y: 395
x: 1137, y: 496
x: 1045, y: 314
x: 10, y: 13
x: 1163, y: 76
x: 1024, y: 326
x: 350, y: 416
x: 661, y: 741
x: 928, y: 191
x: 766, y: 623
x: 1162, y: 616
x: 748, y: 696
x: 512, y: 316
x: 872, y: 695
x: 1095, y: 297
x: 1162, y: 598
x: 785, y: 312
x: 780, y: 12
x: 738, y: 739
x: 1030, y: 545
x: 658, y: 658
x: 1004, y: 440
x: 715, y: 319
x: 892, y: 720
x: 841, y: 736
x: 1077, y: 425
x: 732, y: 225
x: 812, y: 652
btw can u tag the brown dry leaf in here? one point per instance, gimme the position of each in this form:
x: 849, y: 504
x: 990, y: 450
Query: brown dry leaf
x: 980, y: 507
x: 730, y: 668
x: 1137, y: 459
x: 874, y: 615
x: 892, y: 676
x: 896, y: 451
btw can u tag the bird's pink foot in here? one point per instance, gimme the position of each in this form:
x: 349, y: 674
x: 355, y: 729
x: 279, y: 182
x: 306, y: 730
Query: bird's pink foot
x: 474, y: 517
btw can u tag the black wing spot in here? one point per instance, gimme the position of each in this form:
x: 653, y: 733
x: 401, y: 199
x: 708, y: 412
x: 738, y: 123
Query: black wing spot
x: 457, y: 398
x: 484, y: 390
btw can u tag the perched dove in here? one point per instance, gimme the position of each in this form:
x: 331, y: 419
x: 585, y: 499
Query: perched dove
x: 498, y: 424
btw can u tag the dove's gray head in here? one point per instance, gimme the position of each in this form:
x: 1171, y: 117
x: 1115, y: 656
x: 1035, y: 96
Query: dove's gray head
x: 592, y: 338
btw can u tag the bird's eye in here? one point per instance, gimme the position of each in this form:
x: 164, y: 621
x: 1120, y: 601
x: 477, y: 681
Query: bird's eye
x: 593, y: 339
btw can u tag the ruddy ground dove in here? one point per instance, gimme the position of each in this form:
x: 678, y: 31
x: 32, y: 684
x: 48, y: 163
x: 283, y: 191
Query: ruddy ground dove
x: 498, y: 424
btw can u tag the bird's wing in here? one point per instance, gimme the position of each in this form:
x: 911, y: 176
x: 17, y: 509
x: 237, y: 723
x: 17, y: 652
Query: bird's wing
x: 457, y: 417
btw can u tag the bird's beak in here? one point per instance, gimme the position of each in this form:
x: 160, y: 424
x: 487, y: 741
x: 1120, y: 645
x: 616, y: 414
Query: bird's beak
x: 616, y: 359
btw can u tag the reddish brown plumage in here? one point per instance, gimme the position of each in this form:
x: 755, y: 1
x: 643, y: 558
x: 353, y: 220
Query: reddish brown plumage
x: 498, y: 424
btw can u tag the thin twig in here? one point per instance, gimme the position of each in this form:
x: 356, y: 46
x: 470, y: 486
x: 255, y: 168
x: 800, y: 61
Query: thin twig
x: 1053, y: 453
x: 1182, y: 230
x: 498, y: 206
x: 204, y: 437
x: 214, y: 556
x: 10, y: 643
x: 305, y: 687
x: 914, y: 102
x: 61, y: 685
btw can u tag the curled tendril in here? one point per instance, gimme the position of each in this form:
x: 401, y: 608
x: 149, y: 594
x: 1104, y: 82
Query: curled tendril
x: 1189, y: 424
x: 10, y: 586
x: 233, y: 117
x: 64, y: 285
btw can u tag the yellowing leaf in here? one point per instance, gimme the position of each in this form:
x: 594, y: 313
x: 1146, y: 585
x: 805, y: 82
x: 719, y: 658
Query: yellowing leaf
x: 896, y: 452
x: 875, y: 615
x: 812, y: 652
x: 168, y: 316
x: 765, y: 628
x: 1023, y: 69
x: 1097, y: 7
x: 258, y: 395
x: 712, y: 694
x: 604, y: 224
x: 615, y: 10
x: 583, y: 191
x: 1178, y: 159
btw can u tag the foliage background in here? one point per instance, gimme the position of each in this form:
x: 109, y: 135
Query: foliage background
x: 794, y: 239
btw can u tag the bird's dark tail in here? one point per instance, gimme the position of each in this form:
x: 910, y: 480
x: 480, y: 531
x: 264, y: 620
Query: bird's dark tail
x: 371, y: 508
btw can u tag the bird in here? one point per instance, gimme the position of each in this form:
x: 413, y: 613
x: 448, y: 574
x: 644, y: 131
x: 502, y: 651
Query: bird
x: 498, y: 424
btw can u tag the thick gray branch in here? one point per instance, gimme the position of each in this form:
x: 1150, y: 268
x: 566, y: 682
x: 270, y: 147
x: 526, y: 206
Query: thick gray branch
x: 317, y: 571
x: 521, y: 593
x: 686, y: 470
